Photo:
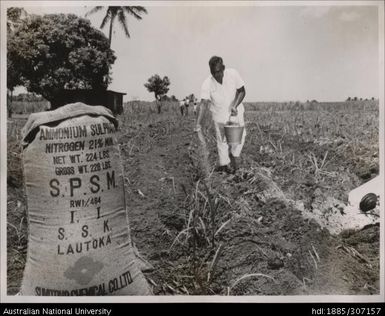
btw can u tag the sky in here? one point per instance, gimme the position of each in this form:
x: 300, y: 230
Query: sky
x: 283, y: 52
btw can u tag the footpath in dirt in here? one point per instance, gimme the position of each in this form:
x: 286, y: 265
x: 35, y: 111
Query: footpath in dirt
x: 253, y: 241
x: 157, y: 181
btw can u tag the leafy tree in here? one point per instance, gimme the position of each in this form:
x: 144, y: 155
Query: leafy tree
x: 15, y: 18
x: 13, y: 80
x: 13, y: 75
x: 159, y: 86
x: 349, y: 99
x: 118, y: 12
x: 169, y: 99
x: 58, y: 51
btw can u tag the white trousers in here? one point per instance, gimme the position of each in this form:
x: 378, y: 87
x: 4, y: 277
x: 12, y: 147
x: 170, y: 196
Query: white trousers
x: 223, y: 148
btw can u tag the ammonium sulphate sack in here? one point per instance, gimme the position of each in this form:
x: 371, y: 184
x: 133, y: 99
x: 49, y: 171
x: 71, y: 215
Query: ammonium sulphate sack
x: 79, y: 240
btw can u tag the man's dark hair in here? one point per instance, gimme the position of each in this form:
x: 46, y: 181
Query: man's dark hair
x: 215, y: 60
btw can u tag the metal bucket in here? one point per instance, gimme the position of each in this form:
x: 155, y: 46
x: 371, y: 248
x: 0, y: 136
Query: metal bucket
x: 234, y: 133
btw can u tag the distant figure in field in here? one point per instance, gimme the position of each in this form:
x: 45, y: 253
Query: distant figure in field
x: 186, y: 105
x: 181, y: 106
x: 195, y: 107
x: 158, y: 103
x: 224, y: 92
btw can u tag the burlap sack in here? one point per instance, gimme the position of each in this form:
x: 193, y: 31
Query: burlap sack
x: 79, y: 239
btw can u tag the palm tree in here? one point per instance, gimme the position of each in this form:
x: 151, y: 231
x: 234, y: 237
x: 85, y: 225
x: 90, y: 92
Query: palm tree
x: 120, y: 13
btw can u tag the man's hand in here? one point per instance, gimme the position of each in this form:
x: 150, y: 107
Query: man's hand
x: 234, y: 110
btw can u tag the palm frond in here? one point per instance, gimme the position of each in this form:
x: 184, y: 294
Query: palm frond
x: 135, y: 11
x: 140, y: 9
x: 94, y: 10
x: 123, y: 23
x: 121, y: 13
x: 106, y: 18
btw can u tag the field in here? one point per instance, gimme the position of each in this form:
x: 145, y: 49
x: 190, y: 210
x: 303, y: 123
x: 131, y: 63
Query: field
x: 252, y: 233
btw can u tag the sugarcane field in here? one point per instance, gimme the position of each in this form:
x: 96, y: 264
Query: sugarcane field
x: 277, y: 227
x: 250, y: 170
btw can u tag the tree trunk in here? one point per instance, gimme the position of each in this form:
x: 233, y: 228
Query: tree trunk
x: 110, y: 34
x: 9, y: 104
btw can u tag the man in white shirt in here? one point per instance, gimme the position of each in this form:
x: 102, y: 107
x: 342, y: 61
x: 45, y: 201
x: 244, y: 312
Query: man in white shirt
x: 223, y: 91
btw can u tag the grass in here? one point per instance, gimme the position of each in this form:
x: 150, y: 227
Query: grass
x: 23, y: 107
